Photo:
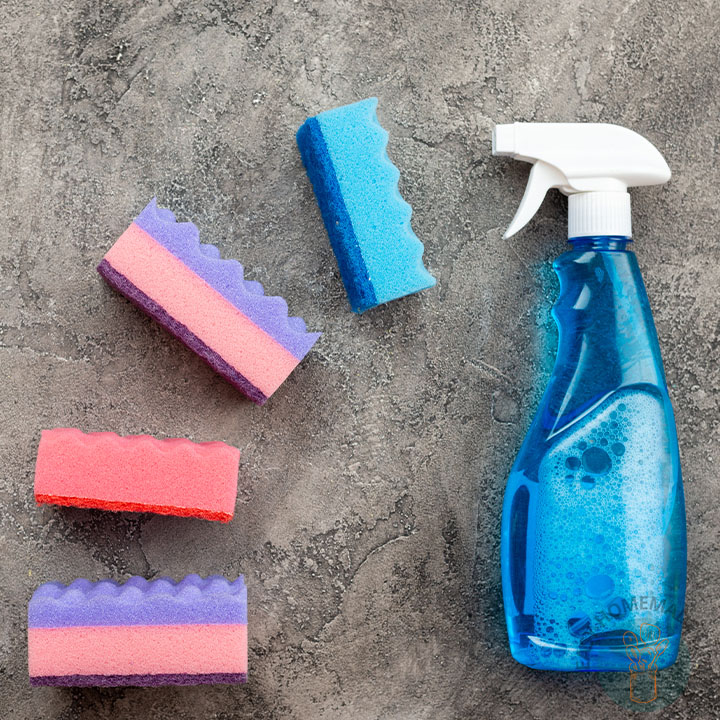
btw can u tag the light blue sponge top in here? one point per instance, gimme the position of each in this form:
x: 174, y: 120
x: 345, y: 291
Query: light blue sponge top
x: 380, y: 217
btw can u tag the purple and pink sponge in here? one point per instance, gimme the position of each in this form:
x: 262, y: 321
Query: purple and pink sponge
x: 141, y: 632
x: 247, y: 337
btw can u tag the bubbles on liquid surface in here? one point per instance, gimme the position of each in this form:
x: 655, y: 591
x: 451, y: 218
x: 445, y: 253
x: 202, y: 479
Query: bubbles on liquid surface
x: 595, y: 460
x: 597, y: 503
x: 599, y: 586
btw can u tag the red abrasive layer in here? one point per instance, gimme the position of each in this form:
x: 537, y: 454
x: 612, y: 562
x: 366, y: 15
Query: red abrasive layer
x: 96, y: 504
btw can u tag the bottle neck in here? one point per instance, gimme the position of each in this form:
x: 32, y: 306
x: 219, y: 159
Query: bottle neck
x: 617, y: 243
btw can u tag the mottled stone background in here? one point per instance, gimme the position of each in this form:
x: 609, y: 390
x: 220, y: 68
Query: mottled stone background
x: 371, y: 484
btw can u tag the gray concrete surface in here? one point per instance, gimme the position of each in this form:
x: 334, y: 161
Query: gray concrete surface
x: 371, y: 485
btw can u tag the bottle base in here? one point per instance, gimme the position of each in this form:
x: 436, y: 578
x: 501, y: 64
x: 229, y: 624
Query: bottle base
x: 606, y: 653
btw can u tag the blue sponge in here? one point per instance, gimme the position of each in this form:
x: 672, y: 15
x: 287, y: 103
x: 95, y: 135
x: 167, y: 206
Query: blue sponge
x: 379, y: 256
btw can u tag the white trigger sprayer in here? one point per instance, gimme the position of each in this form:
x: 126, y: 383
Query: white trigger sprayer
x: 592, y: 163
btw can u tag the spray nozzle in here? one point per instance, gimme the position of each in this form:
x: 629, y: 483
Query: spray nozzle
x: 593, y: 163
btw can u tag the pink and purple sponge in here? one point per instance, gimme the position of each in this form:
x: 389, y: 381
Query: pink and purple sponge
x: 137, y: 473
x: 140, y: 632
x: 247, y: 337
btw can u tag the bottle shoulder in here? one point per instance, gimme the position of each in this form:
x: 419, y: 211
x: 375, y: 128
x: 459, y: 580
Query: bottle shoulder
x: 607, y: 337
x: 587, y: 253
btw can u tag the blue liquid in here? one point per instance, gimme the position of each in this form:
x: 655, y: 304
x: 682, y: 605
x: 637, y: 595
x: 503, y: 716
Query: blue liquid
x: 593, y: 531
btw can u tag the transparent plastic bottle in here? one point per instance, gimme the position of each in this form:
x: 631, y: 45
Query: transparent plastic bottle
x: 593, y: 530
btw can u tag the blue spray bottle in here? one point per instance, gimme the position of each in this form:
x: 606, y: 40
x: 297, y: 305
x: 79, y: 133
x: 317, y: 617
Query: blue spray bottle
x: 593, y: 530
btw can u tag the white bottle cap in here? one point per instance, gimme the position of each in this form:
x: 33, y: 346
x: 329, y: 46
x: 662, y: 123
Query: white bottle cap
x: 599, y: 213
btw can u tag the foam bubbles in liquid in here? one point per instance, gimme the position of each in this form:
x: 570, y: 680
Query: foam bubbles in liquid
x: 599, y: 522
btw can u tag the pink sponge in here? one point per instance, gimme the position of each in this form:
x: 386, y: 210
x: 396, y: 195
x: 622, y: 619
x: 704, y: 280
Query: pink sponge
x: 137, y: 473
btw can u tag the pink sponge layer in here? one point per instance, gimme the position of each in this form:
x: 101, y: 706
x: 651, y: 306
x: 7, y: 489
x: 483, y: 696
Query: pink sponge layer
x: 138, y: 650
x: 137, y: 473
